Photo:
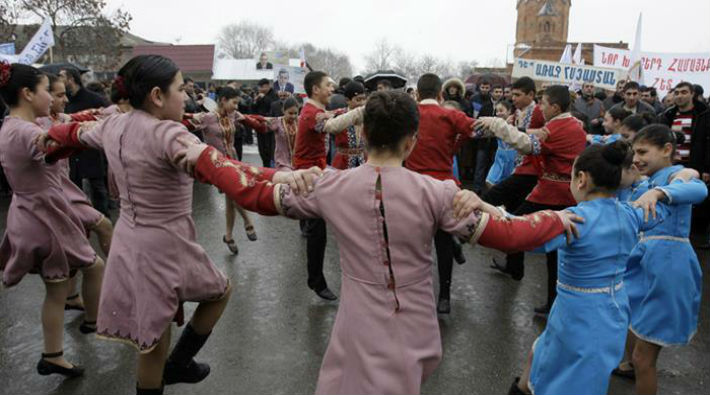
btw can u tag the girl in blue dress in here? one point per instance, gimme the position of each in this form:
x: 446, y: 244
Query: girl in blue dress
x: 584, y: 337
x: 506, y: 157
x: 664, y: 295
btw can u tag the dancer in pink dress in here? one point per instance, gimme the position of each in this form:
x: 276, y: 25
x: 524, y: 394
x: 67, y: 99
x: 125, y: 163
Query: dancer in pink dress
x: 92, y: 219
x: 386, y: 335
x: 218, y: 129
x: 44, y: 234
x: 284, y: 128
x: 155, y: 263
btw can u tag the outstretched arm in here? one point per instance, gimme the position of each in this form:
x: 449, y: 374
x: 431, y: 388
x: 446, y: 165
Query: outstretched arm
x: 63, y: 140
x: 341, y: 122
x: 524, y: 143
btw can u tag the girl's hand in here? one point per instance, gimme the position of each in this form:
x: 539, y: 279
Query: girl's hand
x: 648, y: 201
x: 466, y: 202
x: 569, y: 221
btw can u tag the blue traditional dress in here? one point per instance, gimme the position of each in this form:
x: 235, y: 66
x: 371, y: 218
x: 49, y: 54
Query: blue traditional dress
x: 504, y: 163
x: 586, y: 329
x: 664, y: 277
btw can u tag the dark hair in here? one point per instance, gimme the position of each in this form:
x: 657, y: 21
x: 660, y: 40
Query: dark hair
x: 143, y: 73
x: 312, y: 79
x: 618, y: 113
x: 288, y: 103
x: 558, y: 95
x: 410, y: 90
x: 637, y: 122
x: 632, y: 85
x: 686, y: 84
x: 96, y: 87
x: 600, y: 94
x: 604, y: 163
x: 389, y: 117
x: 497, y: 86
x: 263, y: 81
x: 429, y: 86
x: 343, y: 81
x: 483, y: 81
x: 74, y: 74
x: 21, y: 76
x: 582, y: 117
x: 227, y: 93
x: 524, y: 84
x: 653, y: 91
x: 659, y: 135
x: 188, y: 79
x: 505, y: 103
x: 698, y: 89
x: 53, y: 78
x: 385, y: 83
x: 644, y: 88
x: 353, y: 88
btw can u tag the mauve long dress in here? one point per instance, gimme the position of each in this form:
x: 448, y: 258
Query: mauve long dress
x: 80, y: 203
x: 386, y: 339
x: 155, y: 262
x: 43, y: 234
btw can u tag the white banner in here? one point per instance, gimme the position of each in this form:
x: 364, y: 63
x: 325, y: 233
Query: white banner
x: 40, y: 43
x: 565, y: 74
x: 660, y: 70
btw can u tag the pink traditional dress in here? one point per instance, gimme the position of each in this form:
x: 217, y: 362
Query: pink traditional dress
x: 112, y: 186
x: 285, y: 134
x: 80, y: 203
x: 386, y: 338
x: 43, y: 234
x: 155, y: 262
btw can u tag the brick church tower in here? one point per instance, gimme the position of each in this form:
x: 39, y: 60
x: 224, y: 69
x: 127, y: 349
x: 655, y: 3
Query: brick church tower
x: 542, y: 23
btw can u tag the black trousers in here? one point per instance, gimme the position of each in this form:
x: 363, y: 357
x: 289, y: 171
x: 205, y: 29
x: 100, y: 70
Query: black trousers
x: 238, y: 146
x: 315, y: 251
x: 444, y: 244
x: 266, y: 143
x: 511, y: 192
x: 98, y: 192
x: 515, y: 262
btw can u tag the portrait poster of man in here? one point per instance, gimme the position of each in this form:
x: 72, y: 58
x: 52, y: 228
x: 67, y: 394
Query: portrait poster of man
x: 289, y: 79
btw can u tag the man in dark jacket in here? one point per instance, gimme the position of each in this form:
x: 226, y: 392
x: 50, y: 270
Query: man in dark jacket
x: 692, y: 118
x: 617, y: 97
x: 89, y: 164
x: 262, y: 106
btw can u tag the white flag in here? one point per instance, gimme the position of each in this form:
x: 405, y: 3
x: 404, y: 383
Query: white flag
x: 566, y: 57
x: 40, y: 43
x: 635, y: 69
x: 577, y: 57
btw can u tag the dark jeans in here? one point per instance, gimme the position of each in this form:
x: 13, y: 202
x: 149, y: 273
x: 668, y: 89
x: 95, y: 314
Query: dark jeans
x: 315, y: 251
x: 515, y: 262
x: 238, y: 146
x: 511, y: 192
x: 267, y: 144
x: 483, y: 164
x: 98, y: 192
x: 444, y: 244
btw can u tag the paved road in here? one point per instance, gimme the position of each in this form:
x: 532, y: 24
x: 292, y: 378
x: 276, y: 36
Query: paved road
x: 274, y: 332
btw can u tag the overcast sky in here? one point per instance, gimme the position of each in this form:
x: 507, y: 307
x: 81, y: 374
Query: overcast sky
x: 480, y: 30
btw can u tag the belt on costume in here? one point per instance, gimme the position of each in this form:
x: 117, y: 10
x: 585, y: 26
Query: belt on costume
x: 556, y: 177
x: 601, y: 290
x: 643, y: 237
x: 350, y: 151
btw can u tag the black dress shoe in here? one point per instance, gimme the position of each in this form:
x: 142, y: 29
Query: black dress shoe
x: 326, y: 294
x: 87, y: 327
x: 543, y: 310
x: 514, y: 390
x: 444, y: 306
x: 46, y: 368
x: 625, y: 373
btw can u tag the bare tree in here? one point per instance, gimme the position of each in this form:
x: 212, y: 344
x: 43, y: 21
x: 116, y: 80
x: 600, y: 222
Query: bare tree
x: 9, y: 15
x: 245, y: 40
x: 466, y: 68
x: 83, y: 32
x: 336, y: 64
x: 382, y: 56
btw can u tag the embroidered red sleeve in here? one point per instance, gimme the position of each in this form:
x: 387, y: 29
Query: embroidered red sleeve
x: 67, y: 137
x: 238, y: 181
x: 83, y: 116
x: 256, y: 122
x: 537, y: 120
x: 462, y: 123
x: 521, y: 233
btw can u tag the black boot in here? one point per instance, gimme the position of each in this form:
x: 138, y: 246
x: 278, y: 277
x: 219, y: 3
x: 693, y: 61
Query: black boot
x: 180, y: 366
x: 444, y: 304
x: 458, y: 251
x: 149, y: 391
x: 514, y: 390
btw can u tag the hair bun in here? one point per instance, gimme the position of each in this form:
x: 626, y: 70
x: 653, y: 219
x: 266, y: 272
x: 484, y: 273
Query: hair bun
x: 5, y: 69
x: 615, y: 153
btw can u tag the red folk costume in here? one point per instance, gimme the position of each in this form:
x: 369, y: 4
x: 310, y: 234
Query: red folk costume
x: 155, y: 262
x: 530, y: 117
x: 311, y: 142
x: 349, y: 141
x: 439, y: 129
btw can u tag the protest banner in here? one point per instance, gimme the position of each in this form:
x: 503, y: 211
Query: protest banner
x: 660, y: 70
x: 566, y: 74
